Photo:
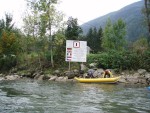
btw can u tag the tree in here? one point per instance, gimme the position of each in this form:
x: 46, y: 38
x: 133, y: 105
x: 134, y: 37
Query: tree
x: 108, y: 35
x: 147, y: 13
x: 141, y: 45
x: 114, y: 35
x: 99, y: 39
x: 73, y: 30
x: 6, y: 25
x: 8, y: 37
x: 119, y: 32
x: 9, y: 43
x: 94, y: 38
x: 45, y: 20
x: 89, y: 37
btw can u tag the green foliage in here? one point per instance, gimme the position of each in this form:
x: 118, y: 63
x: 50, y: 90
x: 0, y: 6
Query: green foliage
x: 146, y: 11
x: 120, y: 60
x: 73, y: 30
x: 94, y: 39
x: 146, y: 58
x: 7, y: 62
x: 42, y: 21
x: 141, y: 45
x: 7, y: 23
x: 8, y: 43
x: 114, y: 35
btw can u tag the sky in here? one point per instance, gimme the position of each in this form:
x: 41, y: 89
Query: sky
x: 83, y: 10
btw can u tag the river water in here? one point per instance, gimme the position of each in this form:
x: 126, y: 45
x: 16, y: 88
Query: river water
x: 29, y: 96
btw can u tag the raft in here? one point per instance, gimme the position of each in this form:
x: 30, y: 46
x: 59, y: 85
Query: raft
x: 97, y: 80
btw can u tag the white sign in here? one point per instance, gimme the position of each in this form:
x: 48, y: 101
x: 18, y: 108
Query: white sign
x: 76, y: 51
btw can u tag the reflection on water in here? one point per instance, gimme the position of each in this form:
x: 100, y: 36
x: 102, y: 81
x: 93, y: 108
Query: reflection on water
x: 28, y: 96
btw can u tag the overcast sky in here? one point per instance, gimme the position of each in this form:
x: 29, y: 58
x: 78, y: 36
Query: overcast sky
x: 84, y: 10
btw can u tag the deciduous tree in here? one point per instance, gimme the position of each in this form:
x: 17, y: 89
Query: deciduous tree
x: 114, y: 35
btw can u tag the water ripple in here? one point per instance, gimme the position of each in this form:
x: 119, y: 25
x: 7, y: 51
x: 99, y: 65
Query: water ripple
x: 28, y: 96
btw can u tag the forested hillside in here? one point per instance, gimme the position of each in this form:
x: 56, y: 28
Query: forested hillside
x: 131, y: 14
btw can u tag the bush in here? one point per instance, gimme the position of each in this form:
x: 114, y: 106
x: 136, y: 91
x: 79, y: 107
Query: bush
x: 120, y: 60
x: 7, y: 62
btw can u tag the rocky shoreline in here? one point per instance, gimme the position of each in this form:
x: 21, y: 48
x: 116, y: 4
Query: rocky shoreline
x: 141, y: 76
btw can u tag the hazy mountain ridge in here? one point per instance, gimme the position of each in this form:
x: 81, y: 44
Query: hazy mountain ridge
x: 131, y: 14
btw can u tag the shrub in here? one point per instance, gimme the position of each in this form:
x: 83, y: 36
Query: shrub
x: 7, y: 62
x: 120, y: 60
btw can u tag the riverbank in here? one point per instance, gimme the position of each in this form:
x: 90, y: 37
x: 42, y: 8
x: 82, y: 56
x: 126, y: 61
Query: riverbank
x: 141, y: 76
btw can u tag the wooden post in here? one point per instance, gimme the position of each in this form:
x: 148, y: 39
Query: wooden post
x: 69, y: 65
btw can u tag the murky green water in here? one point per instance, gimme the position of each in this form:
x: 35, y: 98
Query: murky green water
x: 28, y: 96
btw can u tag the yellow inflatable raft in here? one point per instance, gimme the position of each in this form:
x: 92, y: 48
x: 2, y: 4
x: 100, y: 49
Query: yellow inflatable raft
x: 98, y: 80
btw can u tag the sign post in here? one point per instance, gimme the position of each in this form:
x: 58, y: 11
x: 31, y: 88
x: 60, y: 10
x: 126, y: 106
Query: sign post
x: 76, y: 51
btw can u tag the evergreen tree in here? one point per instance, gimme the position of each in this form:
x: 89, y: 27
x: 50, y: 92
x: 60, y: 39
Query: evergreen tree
x: 73, y: 30
x: 94, y: 39
x: 89, y: 38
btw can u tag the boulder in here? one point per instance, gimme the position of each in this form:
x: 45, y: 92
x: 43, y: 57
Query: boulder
x: 47, y: 77
x: 62, y: 79
x: 122, y: 79
x: 37, y: 75
x: 141, y: 71
x: 57, y: 73
x: 69, y: 74
x: 136, y: 74
x: 83, y: 68
x: 92, y: 65
x: 132, y: 80
x: 142, y: 81
x: 147, y: 75
x: 53, y: 78
x: 98, y: 73
x: 12, y: 77
x: 41, y: 77
x: 76, y: 72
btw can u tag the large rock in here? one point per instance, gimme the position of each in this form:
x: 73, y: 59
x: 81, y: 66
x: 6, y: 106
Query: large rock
x: 122, y: 79
x: 83, y: 68
x: 98, y: 73
x: 132, y: 80
x: 53, y: 78
x: 41, y: 77
x: 62, y: 79
x: 93, y: 65
x: 76, y: 72
x: 47, y: 76
x: 70, y: 74
x: 147, y: 75
x: 57, y: 73
x: 12, y: 77
x: 141, y: 71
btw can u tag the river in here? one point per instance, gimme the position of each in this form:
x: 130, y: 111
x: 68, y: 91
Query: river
x: 30, y: 96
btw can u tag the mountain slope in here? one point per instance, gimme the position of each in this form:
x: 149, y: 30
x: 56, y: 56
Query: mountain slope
x: 130, y: 14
